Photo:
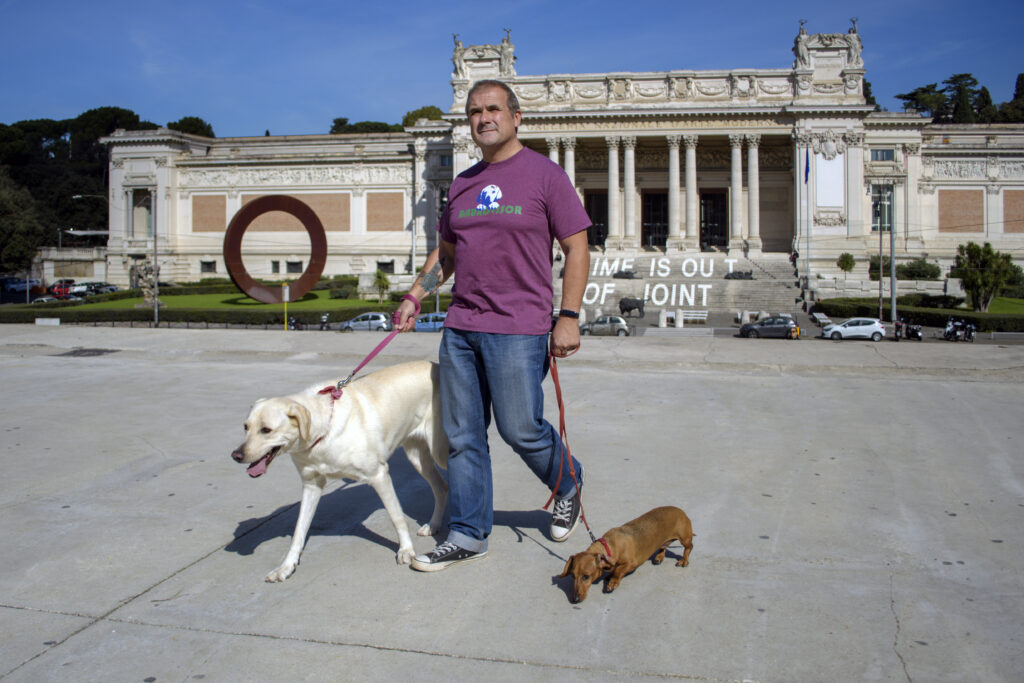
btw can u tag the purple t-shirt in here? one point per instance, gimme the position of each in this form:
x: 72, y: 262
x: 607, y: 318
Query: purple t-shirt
x: 502, y: 219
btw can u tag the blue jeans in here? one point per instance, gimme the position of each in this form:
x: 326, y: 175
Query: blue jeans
x: 503, y: 372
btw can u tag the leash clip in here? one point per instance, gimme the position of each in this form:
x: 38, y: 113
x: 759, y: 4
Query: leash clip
x: 342, y: 383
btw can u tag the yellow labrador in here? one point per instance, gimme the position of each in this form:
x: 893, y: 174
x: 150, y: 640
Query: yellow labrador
x: 352, y: 436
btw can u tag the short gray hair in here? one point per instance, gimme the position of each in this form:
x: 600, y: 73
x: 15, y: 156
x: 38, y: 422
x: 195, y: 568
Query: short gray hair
x: 513, y: 101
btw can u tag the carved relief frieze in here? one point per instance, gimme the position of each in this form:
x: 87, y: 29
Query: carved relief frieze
x: 959, y: 169
x: 590, y: 91
x: 322, y: 175
x: 650, y: 91
x: 1012, y: 169
x: 775, y: 87
x: 711, y: 88
x: 531, y: 93
x: 828, y: 88
x: 829, y: 218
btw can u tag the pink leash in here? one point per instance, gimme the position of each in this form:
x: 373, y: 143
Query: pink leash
x: 336, y: 390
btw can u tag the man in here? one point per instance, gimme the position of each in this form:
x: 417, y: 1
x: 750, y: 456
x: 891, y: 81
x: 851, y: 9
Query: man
x: 496, y: 236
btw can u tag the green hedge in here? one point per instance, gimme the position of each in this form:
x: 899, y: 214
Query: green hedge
x: 919, y: 315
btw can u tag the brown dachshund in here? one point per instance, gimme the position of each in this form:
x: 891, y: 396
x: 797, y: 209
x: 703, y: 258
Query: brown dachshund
x: 624, y: 548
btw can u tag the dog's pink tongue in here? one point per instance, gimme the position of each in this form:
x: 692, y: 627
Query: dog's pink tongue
x: 258, y: 467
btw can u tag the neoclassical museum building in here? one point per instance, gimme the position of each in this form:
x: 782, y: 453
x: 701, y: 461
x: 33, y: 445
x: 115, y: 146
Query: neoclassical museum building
x: 746, y: 163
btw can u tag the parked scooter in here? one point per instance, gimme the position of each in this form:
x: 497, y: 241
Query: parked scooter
x: 913, y: 332
x: 957, y: 330
x: 897, y: 328
x: 294, y: 324
x: 323, y: 322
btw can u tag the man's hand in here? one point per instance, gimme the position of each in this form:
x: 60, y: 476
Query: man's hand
x: 404, y: 317
x: 565, y: 338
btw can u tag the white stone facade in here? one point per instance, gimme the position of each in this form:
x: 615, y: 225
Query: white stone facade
x: 676, y: 162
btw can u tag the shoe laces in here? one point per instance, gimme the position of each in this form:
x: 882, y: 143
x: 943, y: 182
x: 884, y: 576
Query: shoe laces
x: 562, y: 510
x: 443, y: 549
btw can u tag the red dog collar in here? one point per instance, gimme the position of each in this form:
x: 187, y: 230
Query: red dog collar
x: 607, y: 550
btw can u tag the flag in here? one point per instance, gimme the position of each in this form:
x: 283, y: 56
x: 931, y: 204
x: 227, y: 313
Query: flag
x: 807, y: 164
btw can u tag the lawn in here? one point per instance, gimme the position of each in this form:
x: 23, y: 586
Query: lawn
x: 1005, y: 305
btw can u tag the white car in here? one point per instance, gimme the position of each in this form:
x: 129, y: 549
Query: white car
x: 368, y: 321
x: 855, y: 328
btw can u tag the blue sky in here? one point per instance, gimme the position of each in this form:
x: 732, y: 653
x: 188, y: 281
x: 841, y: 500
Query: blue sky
x: 291, y: 68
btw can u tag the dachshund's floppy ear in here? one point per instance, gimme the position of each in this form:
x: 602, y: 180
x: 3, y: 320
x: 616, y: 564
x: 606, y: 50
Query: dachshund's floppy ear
x: 568, y: 567
x: 299, y: 416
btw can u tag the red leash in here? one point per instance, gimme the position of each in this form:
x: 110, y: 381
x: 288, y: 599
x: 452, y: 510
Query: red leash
x: 566, y: 454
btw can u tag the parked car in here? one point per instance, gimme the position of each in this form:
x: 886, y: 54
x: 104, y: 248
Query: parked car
x: 98, y: 287
x: 17, y: 284
x: 45, y: 299
x: 368, y: 321
x: 855, y: 328
x: 607, y: 324
x: 781, y: 327
x: 430, y: 322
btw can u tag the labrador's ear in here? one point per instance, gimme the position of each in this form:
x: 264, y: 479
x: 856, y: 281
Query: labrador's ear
x: 568, y: 567
x: 299, y: 416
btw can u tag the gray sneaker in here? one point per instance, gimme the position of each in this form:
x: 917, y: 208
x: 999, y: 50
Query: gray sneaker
x: 443, y: 556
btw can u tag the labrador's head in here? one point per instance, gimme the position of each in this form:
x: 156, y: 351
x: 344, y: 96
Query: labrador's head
x: 274, y: 425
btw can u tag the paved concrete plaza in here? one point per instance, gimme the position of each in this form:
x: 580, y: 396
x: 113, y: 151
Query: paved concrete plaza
x: 858, y: 509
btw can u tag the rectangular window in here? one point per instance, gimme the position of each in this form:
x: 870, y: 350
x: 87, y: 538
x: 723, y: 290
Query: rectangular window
x: 293, y: 266
x: 275, y: 266
x: 881, y: 208
x: 207, y: 267
x: 883, y: 155
x: 386, y: 267
x: 446, y: 160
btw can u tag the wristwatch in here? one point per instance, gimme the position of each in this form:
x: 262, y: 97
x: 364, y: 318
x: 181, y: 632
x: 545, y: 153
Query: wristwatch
x: 566, y: 313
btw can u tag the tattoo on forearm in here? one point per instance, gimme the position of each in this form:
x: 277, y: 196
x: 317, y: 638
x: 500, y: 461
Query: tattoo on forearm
x: 430, y: 280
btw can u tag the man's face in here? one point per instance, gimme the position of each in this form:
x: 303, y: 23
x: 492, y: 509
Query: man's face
x: 491, y: 123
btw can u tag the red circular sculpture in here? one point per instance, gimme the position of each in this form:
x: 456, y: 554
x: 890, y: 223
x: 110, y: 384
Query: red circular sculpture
x: 233, y: 248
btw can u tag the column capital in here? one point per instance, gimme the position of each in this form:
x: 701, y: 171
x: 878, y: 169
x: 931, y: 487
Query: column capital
x: 690, y: 141
x: 753, y: 139
x: 673, y: 141
x: 613, y: 141
x: 736, y: 140
x: 629, y: 141
x: 568, y: 143
x: 552, y: 142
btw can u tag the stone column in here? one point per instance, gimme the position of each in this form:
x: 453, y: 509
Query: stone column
x: 614, y: 225
x: 629, y: 189
x: 570, y: 159
x: 692, y: 206
x: 673, y: 242
x: 753, y: 195
x: 736, y: 194
x: 552, y: 149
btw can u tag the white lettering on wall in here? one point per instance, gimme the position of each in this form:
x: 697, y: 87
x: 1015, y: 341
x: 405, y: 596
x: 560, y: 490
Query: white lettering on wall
x: 660, y: 293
